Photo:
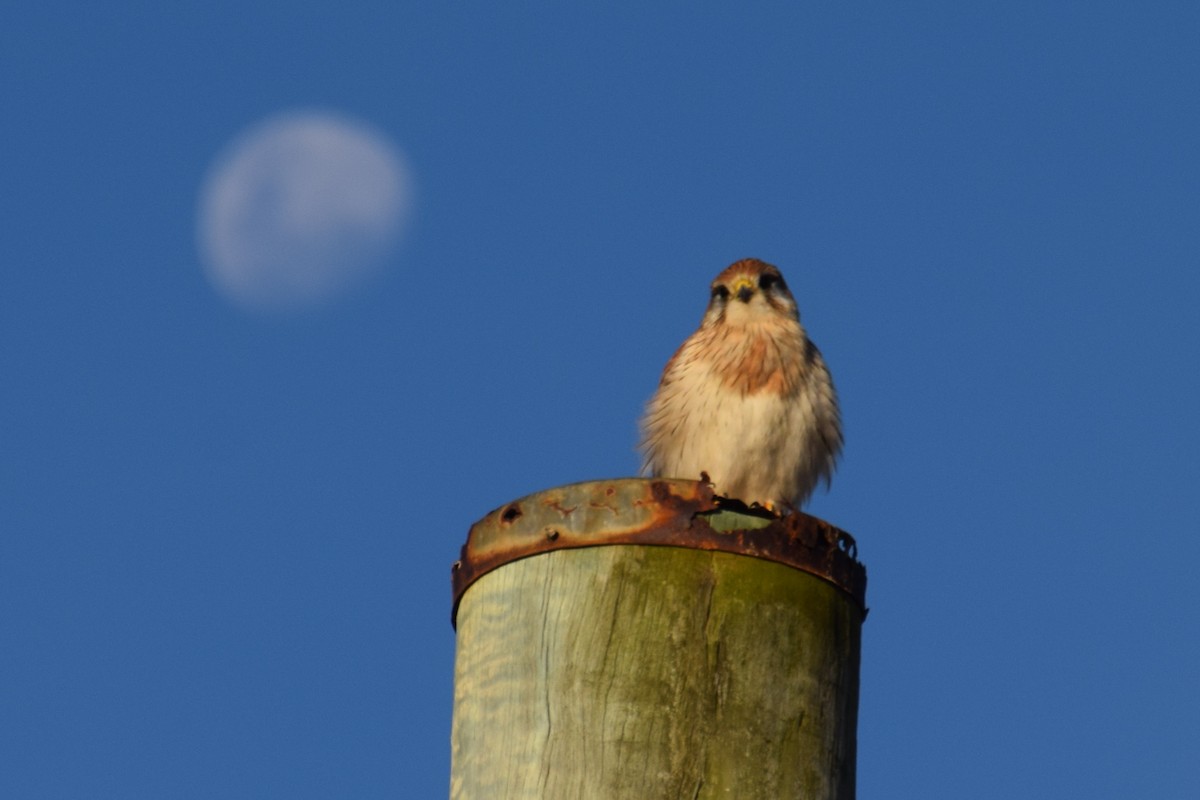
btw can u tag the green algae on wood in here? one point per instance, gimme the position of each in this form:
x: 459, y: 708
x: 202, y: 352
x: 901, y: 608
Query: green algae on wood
x: 634, y: 671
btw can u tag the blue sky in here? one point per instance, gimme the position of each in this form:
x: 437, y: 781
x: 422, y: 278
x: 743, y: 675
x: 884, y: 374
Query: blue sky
x: 225, y: 535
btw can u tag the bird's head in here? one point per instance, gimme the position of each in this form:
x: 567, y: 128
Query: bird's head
x: 750, y: 291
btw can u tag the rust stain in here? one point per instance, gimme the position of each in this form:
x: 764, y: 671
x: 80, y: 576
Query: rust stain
x: 644, y: 511
x: 557, y: 506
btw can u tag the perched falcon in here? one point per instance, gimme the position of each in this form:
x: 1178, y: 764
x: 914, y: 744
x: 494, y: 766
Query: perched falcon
x: 747, y: 400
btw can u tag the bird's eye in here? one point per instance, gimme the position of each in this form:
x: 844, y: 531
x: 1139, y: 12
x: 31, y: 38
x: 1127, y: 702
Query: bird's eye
x: 720, y: 291
x: 768, y: 280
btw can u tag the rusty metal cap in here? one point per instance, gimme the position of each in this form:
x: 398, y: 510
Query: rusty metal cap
x: 655, y: 511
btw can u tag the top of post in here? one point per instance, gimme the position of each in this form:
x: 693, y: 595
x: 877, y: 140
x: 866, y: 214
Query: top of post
x: 656, y: 511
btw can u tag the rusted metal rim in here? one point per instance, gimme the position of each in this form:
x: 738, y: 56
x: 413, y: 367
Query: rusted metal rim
x: 654, y: 511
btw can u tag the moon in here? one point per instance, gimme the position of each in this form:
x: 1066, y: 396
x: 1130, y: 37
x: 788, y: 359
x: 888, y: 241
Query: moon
x: 299, y: 209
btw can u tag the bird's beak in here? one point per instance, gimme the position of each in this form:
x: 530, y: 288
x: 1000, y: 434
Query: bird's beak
x: 743, y: 289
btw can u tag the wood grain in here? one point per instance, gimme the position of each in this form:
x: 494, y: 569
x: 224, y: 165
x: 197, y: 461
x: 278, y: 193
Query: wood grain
x: 632, y: 671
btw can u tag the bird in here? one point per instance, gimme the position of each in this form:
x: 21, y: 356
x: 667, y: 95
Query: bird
x: 746, y: 403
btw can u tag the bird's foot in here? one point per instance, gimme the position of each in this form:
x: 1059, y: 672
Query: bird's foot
x: 779, y: 510
x: 755, y: 509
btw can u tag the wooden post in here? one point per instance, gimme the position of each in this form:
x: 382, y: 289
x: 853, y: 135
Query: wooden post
x: 724, y: 664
